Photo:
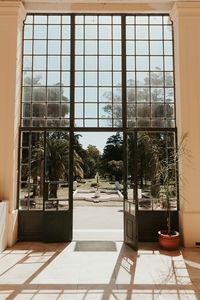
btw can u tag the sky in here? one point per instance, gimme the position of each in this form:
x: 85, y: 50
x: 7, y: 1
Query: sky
x: 97, y: 139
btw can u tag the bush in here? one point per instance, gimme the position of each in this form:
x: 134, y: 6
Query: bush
x: 94, y: 184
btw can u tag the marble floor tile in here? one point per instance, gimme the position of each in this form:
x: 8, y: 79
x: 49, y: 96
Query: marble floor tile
x: 58, y: 271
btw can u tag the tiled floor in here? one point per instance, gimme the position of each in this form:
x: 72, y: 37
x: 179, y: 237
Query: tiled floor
x: 101, y: 271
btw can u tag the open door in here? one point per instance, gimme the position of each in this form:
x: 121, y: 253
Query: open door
x: 130, y: 190
x: 57, y: 220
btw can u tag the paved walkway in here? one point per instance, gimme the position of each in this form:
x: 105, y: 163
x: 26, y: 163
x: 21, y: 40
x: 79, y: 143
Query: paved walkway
x: 98, y: 223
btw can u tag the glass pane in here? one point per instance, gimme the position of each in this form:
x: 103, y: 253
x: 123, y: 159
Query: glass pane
x: 39, y: 62
x: 78, y: 78
x: 117, y: 48
x: 142, y: 78
x: 141, y: 20
x: 157, y: 94
x: 130, y: 32
x: 116, y: 32
x: 156, y: 32
x: 53, y: 110
x: 104, y: 19
x: 54, y: 62
x: 65, y: 78
x: 105, y: 62
x: 54, y: 47
x: 78, y: 94
x: 28, y: 45
x: 117, y: 78
x: 27, y: 62
x: 40, y: 32
x: 156, y: 63
x: 90, y: 110
x: 78, y: 110
x: 169, y: 95
x: 53, y: 78
x: 26, y: 94
x: 57, y: 166
x: 39, y: 94
x: 39, y: 78
x: 90, y: 78
x: 26, y: 110
x: 142, y: 32
x: 130, y: 79
x: 130, y: 95
x: 39, y: 47
x: 168, y: 63
x: 105, y: 78
x: 90, y: 31
x: 130, y: 63
x: 53, y: 94
x: 168, y: 48
x: 142, y: 63
x: 39, y: 110
x: 155, y: 19
x: 65, y: 63
x: 54, y: 31
x: 105, y: 47
x: 54, y: 19
x: 66, y: 47
x: 66, y: 32
x: 142, y: 48
x: 91, y: 19
x: 117, y: 63
x: 90, y: 62
x: 167, y: 32
x: 90, y: 94
x: 104, y: 32
x: 105, y: 110
x: 90, y: 47
x: 65, y: 94
x: 105, y: 94
x: 156, y: 79
x: 143, y: 94
x: 156, y: 47
x: 27, y: 78
x: 40, y: 19
x: 143, y: 110
x: 65, y: 110
x: 158, y: 110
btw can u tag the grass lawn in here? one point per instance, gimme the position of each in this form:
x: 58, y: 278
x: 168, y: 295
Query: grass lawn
x: 103, y: 184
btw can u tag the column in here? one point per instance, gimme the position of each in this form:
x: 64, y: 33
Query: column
x: 186, y: 24
x: 12, y: 14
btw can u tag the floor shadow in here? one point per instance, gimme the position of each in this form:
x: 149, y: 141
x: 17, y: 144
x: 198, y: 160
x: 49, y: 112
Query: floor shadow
x: 149, y: 273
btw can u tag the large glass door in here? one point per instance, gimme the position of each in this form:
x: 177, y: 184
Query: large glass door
x: 130, y: 190
x: 57, y: 224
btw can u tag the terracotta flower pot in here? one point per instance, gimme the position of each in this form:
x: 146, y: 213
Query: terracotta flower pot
x: 169, y: 242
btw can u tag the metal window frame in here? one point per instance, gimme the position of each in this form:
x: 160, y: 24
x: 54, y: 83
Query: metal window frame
x: 125, y: 129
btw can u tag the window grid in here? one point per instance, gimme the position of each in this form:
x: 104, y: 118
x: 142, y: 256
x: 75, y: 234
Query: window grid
x: 149, y: 72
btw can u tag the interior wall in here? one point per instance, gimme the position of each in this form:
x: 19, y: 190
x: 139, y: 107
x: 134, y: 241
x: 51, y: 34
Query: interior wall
x: 186, y: 20
x: 12, y: 15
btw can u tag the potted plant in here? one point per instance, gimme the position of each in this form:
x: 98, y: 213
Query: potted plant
x: 169, y: 239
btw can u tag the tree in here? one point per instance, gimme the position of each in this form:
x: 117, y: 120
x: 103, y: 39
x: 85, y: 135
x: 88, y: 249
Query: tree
x: 116, y: 167
x: 142, y: 109
x: 39, y: 95
x: 113, y: 151
x: 57, y: 160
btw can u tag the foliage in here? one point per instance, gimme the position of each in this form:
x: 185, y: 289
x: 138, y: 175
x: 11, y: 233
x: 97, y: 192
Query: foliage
x: 112, y: 158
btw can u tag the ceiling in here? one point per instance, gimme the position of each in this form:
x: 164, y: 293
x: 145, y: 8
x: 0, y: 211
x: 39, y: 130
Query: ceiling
x: 123, y: 6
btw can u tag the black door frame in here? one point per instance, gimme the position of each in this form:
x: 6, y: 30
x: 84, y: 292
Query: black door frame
x: 72, y: 129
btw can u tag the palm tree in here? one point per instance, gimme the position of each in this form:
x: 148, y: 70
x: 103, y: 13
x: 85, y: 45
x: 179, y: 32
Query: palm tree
x: 57, y: 161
